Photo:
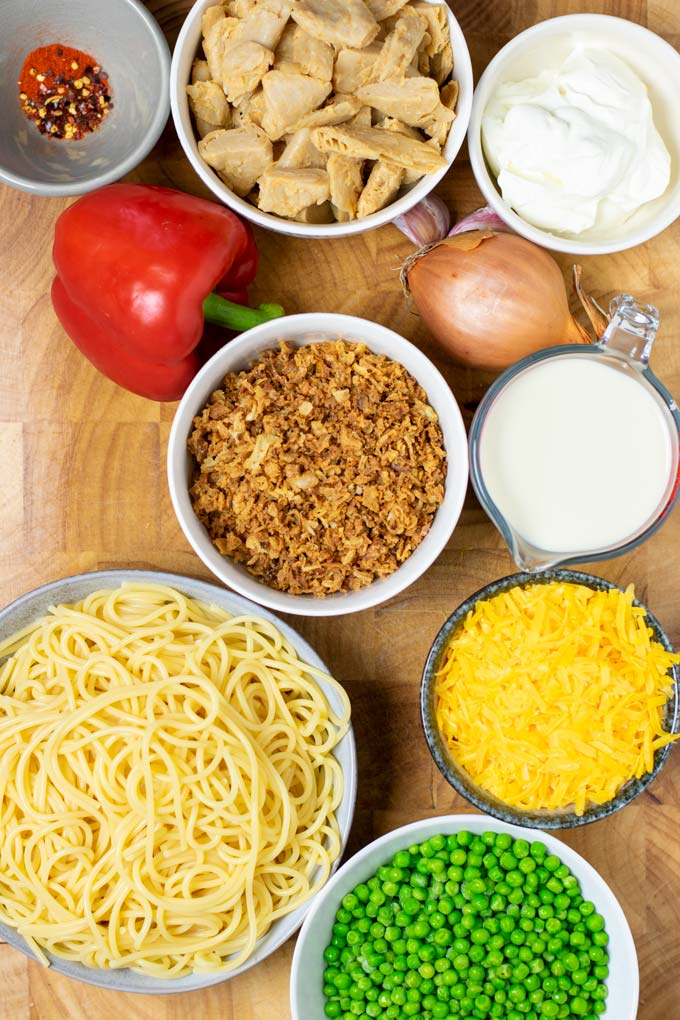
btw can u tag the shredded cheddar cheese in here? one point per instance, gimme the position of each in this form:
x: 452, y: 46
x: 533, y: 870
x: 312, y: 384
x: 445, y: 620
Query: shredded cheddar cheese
x: 553, y: 695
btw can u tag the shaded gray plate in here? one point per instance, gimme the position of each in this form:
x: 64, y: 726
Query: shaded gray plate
x: 72, y: 589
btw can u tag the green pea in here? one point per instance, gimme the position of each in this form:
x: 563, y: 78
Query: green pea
x: 549, y: 1009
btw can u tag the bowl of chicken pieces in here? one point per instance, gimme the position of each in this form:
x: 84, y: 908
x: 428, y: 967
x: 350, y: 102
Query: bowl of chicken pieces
x: 320, y: 118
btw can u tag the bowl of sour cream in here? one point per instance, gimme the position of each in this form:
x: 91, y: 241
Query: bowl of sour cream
x: 574, y: 136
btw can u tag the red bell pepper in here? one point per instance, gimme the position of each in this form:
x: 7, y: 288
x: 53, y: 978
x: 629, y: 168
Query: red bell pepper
x: 137, y: 271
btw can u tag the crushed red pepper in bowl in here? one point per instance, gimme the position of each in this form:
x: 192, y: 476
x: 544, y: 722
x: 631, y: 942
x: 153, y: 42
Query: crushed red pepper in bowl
x: 64, y: 91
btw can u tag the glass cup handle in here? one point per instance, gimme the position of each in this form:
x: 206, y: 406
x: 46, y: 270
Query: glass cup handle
x: 631, y: 330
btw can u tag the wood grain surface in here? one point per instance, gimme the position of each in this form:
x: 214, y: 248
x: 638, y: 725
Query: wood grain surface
x: 83, y: 487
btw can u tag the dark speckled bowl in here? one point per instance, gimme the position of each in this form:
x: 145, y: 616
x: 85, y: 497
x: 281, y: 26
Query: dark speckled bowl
x: 459, y: 778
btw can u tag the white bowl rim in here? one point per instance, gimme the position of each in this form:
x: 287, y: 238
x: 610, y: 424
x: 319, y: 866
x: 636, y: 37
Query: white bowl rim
x: 483, y: 178
x: 309, y: 605
x: 426, y: 827
x: 141, y: 150
x: 422, y: 188
x: 206, y: 591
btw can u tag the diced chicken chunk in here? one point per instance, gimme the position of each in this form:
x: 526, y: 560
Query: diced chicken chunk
x: 245, y: 66
x: 381, y: 9
x: 353, y: 67
x: 413, y: 100
x: 208, y: 103
x: 439, y: 124
x: 374, y: 143
x: 239, y: 66
x: 338, y: 22
x: 437, y: 26
x: 400, y: 47
x: 216, y: 43
x: 287, y: 98
x: 200, y: 71
x: 382, y: 187
x: 398, y: 127
x: 435, y: 55
x: 264, y: 23
x: 340, y: 109
x: 301, y: 53
x: 240, y: 156
x: 210, y: 16
x: 449, y: 95
x: 299, y: 152
x: 346, y: 184
x: 287, y: 192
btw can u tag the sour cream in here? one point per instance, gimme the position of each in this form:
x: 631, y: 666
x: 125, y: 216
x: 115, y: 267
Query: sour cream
x: 575, y: 149
x: 577, y: 455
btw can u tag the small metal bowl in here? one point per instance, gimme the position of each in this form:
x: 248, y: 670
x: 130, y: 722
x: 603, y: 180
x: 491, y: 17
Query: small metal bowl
x: 132, y: 50
x: 564, y: 818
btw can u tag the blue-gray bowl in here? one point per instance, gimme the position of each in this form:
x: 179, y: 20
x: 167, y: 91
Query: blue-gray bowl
x: 460, y: 780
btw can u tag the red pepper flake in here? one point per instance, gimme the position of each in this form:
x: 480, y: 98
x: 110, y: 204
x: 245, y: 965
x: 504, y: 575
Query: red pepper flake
x: 71, y: 82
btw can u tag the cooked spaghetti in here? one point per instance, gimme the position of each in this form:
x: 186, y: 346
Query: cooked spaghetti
x: 167, y: 782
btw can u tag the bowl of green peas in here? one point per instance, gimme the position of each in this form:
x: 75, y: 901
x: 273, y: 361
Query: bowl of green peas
x: 465, y: 917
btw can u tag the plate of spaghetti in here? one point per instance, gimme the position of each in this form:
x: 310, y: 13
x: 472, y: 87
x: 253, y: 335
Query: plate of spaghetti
x: 177, y: 779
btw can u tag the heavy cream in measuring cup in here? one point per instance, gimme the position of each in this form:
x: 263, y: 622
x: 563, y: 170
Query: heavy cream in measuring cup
x: 577, y: 455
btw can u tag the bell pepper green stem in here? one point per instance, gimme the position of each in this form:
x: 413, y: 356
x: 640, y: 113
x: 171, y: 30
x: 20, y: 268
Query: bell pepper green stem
x: 239, y: 317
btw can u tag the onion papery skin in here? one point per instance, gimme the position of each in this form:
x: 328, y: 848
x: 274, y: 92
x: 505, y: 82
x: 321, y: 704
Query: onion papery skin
x: 490, y: 299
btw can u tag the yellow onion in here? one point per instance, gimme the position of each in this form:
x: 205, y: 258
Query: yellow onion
x: 490, y: 298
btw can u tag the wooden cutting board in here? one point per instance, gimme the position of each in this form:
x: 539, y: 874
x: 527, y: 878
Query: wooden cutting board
x: 84, y: 488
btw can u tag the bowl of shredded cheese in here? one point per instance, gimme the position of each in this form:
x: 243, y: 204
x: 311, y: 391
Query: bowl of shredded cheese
x: 551, y: 700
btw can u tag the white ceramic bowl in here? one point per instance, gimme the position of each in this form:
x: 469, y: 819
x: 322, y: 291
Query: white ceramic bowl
x: 184, y: 54
x: 314, y: 327
x: 548, y: 43
x: 306, y: 985
x: 34, y: 604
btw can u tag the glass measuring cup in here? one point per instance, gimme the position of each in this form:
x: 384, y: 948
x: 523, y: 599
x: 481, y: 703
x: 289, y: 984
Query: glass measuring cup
x: 626, y: 346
